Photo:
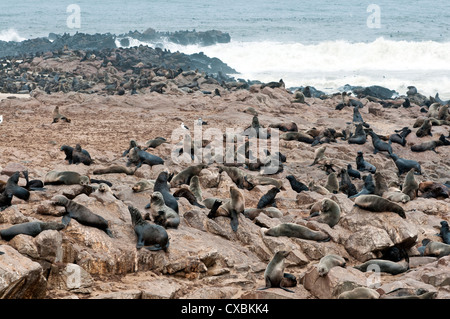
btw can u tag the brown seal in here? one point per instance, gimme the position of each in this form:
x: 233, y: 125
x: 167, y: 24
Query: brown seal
x: 410, y: 186
x: 375, y: 203
x: 163, y: 214
x: 184, y: 177
x: 58, y: 116
x: 65, y: 177
x: 329, y: 261
x: 231, y: 208
x: 274, y: 273
x: 298, y: 231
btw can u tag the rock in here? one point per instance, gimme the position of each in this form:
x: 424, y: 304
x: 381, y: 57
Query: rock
x: 70, y: 277
x: 21, y: 277
x: 334, y: 283
x: 11, y: 168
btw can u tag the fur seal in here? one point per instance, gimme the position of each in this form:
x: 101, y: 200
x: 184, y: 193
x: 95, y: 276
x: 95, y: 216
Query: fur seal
x: 360, y: 293
x: 319, y: 155
x: 332, y: 183
x: 184, y: 177
x: 379, y: 145
x: 410, y: 186
x: 431, y: 189
x: 444, y: 232
x: 359, y: 137
x: 425, y: 129
x: 353, y: 172
x: 29, y: 228
x: 274, y: 273
x: 330, y: 212
x: 152, y: 237
x: 58, y: 116
x: 345, y: 185
x: 297, y: 136
x: 143, y: 185
x: 133, y: 144
x: 405, y: 165
x: 405, y: 293
x: 155, y: 142
x: 400, y: 136
x: 298, y: 231
x: 162, y: 186
x: 396, y: 197
x: 362, y: 165
x: 114, y: 169
x: 272, y: 212
x: 138, y: 157
x: 329, y: 261
x: 387, y: 266
x: 273, y: 85
x: 375, y: 203
x: 380, y: 184
x: 268, y: 198
x: 232, y: 208
x: 81, y: 214
x: 34, y: 184
x: 66, y: 178
x: 68, y: 152
x: 186, y: 193
x: 296, y: 185
x: 431, y: 145
x: 285, y: 127
x: 80, y: 155
x: 14, y: 189
x: 238, y: 176
x: 368, y: 188
x: 437, y: 249
x: 195, y: 188
x: 163, y: 214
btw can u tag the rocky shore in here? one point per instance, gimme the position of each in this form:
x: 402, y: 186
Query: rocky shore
x: 114, y: 95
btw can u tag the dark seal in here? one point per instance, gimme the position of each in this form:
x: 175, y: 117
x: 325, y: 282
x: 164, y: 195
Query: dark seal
x: 30, y: 228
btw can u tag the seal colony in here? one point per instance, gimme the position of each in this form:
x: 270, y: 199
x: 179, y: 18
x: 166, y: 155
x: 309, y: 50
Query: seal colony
x: 252, y: 216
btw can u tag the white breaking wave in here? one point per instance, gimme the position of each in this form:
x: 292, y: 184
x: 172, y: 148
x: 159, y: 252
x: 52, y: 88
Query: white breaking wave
x: 11, y: 35
x: 331, y: 64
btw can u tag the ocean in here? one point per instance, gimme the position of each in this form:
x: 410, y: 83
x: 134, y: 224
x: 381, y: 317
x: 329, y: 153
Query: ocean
x: 394, y: 44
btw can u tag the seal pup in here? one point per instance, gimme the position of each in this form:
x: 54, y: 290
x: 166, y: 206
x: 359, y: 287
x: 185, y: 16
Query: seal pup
x: 362, y: 165
x: 154, y: 143
x: 360, y: 293
x: 162, y: 186
x: 58, y: 116
x: 34, y: 184
x: 152, y: 237
x: 319, y: 155
x: 444, y: 232
x: 404, y: 165
x: 195, y: 188
x: 68, y: 152
x: 268, y: 198
x: 387, y: 266
x: 186, y: 193
x: 332, y: 183
x: 184, y: 177
x: 425, y: 129
x: 379, y: 145
x: 353, y: 172
x: 329, y: 261
x: 410, y: 186
x: 375, y: 203
x: 30, y: 228
x: 81, y: 214
x: 80, y: 155
x: 296, y: 185
x: 66, y: 178
x: 143, y: 185
x: 368, y: 188
x: 345, y: 184
x: 400, y: 136
x: 359, y: 137
x: 274, y: 273
x: 133, y: 144
x: 164, y: 215
x: 298, y: 231
x: 239, y: 177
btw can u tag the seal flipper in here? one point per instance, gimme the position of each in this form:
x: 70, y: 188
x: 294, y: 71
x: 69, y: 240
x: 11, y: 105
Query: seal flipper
x: 234, y: 222
x: 288, y: 290
x: 148, y: 206
x: 66, y: 219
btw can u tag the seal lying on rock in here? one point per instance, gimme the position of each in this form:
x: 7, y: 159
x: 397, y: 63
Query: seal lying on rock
x: 14, y: 189
x: 66, y: 178
x: 81, y: 214
x: 329, y: 261
x: 375, y: 203
x: 164, y: 215
x: 152, y: 237
x: 29, y: 228
x: 387, y: 266
x: 298, y: 231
